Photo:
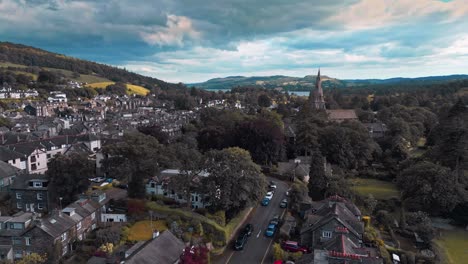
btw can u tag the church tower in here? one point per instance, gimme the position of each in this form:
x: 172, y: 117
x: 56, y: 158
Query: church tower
x: 316, y: 94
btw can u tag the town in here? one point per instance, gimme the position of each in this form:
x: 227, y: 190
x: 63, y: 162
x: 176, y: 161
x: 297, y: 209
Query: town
x: 233, y: 132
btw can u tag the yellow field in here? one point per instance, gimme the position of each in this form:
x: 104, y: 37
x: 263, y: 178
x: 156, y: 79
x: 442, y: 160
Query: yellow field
x: 132, y: 89
x: 141, y: 230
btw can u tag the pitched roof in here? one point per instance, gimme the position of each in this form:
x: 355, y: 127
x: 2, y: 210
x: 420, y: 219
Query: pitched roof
x: 56, y: 224
x: 6, y: 170
x: 166, y: 249
x: 7, y: 154
x: 338, y: 114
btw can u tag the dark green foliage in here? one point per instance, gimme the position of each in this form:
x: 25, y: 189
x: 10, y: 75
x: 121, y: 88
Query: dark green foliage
x: 69, y: 176
x: 117, y: 88
x: 156, y: 132
x: 264, y: 100
x: 429, y: 187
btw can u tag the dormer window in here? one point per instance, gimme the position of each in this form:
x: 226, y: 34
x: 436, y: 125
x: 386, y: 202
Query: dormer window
x: 37, y: 185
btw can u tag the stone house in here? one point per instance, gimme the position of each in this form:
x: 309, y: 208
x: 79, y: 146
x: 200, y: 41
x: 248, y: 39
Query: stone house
x: 12, y: 243
x: 29, y: 192
x: 7, y: 174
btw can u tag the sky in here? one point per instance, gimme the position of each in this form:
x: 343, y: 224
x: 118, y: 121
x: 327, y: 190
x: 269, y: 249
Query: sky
x: 193, y: 40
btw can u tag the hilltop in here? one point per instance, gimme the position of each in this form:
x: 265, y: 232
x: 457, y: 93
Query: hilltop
x: 305, y: 83
x: 22, y: 58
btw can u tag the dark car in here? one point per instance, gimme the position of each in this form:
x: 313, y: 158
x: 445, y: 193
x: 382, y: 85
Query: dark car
x: 241, y: 240
x: 275, y: 220
x: 293, y: 246
x: 284, y: 203
x: 265, y: 201
x: 248, y: 229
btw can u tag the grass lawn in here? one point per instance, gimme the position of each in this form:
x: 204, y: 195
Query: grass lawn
x: 142, y: 230
x: 133, y: 89
x: 381, y: 190
x: 455, y: 244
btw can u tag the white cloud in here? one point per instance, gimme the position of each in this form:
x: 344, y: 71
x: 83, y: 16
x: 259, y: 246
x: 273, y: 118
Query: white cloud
x: 376, y: 13
x: 177, y: 28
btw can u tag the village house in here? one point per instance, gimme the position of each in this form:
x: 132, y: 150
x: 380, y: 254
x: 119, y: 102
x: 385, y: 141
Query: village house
x: 29, y: 192
x: 340, y: 115
x: 7, y: 174
x: 376, y: 130
x: 13, y: 243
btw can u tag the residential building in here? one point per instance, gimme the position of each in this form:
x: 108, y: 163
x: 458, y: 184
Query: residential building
x: 376, y: 130
x: 13, y: 243
x: 7, y: 174
x: 29, y: 192
x: 165, y: 248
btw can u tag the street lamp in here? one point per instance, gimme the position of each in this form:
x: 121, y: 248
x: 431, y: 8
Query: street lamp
x: 60, y: 199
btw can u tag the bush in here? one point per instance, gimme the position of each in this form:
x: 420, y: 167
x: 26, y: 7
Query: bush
x: 186, y: 237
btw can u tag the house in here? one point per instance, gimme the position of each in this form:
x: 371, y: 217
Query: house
x: 57, y: 230
x: 7, y: 174
x: 13, y: 158
x: 13, y: 245
x: 57, y: 97
x: 29, y: 192
x: 377, y: 129
x: 85, y: 212
x: 329, y: 218
x: 165, y: 248
x: 293, y: 169
x: 161, y: 186
x: 340, y: 115
x: 36, y: 156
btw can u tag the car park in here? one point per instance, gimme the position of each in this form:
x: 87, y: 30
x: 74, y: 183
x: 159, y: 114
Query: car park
x: 270, y: 231
x: 241, y: 240
x: 284, y: 203
x: 248, y: 229
x: 265, y: 201
x: 293, y: 246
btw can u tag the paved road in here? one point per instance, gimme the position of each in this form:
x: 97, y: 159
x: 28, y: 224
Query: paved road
x: 258, y: 247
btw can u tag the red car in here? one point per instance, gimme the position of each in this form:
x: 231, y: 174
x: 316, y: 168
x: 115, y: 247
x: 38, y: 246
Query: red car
x: 293, y: 246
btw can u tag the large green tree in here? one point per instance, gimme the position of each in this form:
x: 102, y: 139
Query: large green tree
x: 137, y: 158
x: 68, y: 176
x: 234, y: 180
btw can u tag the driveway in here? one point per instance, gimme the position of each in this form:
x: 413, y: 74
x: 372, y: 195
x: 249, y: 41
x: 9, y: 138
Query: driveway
x: 258, y: 247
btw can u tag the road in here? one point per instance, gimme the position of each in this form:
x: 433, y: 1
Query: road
x: 258, y: 247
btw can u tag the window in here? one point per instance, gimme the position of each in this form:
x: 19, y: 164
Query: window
x: 28, y: 241
x: 19, y: 205
x: 64, y: 236
x: 49, y: 156
x: 16, y: 226
x: 40, y: 206
x: 37, y: 184
x: 33, y: 158
x: 40, y: 196
x: 93, y: 226
x: 14, y: 161
x: 16, y: 241
x: 327, y: 234
x: 78, y: 226
x: 19, y: 195
x: 33, y: 167
x: 93, y: 215
x: 64, y: 250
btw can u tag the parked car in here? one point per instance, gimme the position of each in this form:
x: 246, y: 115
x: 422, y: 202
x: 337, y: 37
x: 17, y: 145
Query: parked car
x: 275, y: 220
x: 248, y: 229
x: 284, y: 203
x: 241, y: 240
x: 272, y: 185
x: 98, y: 179
x: 269, y: 195
x: 270, y: 231
x: 265, y: 201
x: 293, y: 246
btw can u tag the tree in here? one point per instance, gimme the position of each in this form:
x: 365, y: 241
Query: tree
x: 156, y: 132
x: 190, y: 164
x: 429, y: 187
x: 319, y: 180
x: 136, y: 158
x: 234, y: 180
x: 117, y: 88
x: 5, y: 122
x: 33, y: 258
x: 264, y: 100
x: 195, y: 255
x: 68, y: 176
x: 109, y: 235
x: 263, y: 138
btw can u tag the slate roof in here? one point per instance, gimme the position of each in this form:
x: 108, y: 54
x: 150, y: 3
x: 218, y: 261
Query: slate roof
x: 56, y: 224
x: 6, y: 170
x: 21, y: 181
x: 7, y: 154
x: 166, y: 249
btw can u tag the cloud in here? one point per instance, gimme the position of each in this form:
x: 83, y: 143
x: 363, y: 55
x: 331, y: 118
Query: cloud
x: 176, y: 30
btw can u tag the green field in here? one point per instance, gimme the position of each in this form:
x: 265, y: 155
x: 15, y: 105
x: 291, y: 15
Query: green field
x: 455, y: 244
x: 87, y: 78
x: 381, y: 190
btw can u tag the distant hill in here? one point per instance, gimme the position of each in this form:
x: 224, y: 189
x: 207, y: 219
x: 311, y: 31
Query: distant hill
x: 305, y: 83
x: 20, y: 57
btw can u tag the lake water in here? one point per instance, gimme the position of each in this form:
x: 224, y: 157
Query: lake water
x: 298, y: 93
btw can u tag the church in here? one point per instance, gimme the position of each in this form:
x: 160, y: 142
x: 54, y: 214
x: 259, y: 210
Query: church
x: 317, y: 101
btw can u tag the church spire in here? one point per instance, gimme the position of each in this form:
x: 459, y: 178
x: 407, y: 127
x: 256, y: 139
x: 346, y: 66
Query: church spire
x: 316, y: 95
